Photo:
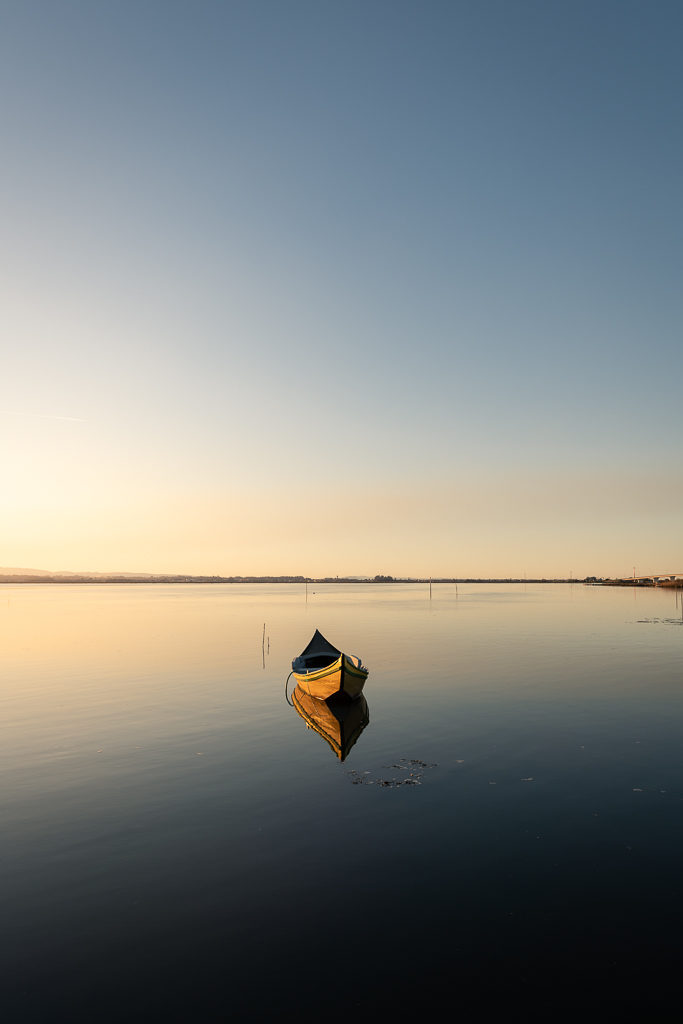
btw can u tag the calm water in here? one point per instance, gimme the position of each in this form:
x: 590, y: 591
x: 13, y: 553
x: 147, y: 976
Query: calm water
x: 178, y: 845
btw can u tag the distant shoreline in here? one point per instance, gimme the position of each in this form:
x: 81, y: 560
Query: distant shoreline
x: 133, y: 578
x: 267, y: 579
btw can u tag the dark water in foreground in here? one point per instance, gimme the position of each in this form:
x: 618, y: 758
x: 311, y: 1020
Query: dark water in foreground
x: 177, y: 845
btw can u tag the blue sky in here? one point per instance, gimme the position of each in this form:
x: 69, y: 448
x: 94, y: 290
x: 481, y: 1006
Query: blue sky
x: 342, y: 287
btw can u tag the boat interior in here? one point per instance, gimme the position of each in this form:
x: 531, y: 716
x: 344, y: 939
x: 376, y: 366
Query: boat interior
x: 319, y: 660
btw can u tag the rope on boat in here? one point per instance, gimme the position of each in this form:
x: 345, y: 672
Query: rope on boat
x: 291, y: 703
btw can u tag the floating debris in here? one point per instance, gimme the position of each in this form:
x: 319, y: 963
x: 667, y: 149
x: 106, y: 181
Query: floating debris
x: 530, y: 779
x: 414, y: 768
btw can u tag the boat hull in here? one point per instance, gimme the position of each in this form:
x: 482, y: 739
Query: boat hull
x: 343, y: 678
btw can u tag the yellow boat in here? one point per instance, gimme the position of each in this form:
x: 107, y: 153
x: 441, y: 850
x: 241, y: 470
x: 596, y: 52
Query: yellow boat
x: 324, y: 672
x: 339, y: 724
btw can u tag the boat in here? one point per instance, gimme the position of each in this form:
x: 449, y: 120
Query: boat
x: 339, y: 724
x: 324, y: 672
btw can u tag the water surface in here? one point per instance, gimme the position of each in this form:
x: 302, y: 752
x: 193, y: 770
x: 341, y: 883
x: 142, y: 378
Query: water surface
x: 178, y: 845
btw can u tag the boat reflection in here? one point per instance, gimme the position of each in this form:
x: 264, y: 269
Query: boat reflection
x: 339, y: 724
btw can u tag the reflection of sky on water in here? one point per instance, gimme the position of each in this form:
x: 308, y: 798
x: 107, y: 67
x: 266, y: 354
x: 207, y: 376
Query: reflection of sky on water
x: 157, y: 784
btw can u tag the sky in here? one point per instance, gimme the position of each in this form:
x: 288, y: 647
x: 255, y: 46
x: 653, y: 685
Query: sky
x: 341, y: 288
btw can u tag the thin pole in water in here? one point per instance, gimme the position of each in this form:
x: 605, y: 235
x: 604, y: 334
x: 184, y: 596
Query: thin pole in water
x: 430, y: 588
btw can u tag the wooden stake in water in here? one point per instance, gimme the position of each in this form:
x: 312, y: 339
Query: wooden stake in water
x: 430, y: 588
